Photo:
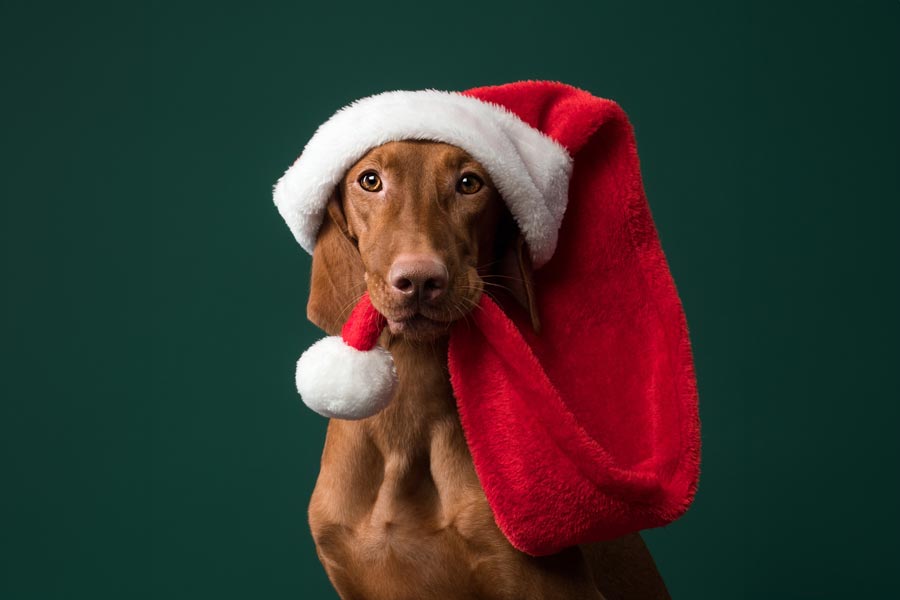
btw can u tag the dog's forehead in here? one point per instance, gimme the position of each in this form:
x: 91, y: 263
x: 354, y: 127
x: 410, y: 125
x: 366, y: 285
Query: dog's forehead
x: 406, y: 155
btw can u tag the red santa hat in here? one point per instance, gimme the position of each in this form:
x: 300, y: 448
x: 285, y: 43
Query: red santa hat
x: 590, y: 429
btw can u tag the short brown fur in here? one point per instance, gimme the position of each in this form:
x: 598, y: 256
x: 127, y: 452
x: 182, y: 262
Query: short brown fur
x: 397, y: 511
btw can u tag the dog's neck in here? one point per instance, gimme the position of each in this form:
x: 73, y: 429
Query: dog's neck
x: 424, y: 396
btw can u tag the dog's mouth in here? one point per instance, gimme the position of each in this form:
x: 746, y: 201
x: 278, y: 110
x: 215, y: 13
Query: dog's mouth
x: 417, y: 318
x: 416, y: 325
x: 424, y: 322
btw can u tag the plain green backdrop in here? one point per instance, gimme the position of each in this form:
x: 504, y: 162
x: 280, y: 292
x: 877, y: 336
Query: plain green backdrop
x: 154, y: 302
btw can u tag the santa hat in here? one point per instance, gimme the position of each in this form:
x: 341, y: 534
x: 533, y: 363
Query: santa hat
x: 590, y: 429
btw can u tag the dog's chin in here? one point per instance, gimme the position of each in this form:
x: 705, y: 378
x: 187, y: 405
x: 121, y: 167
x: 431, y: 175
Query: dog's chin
x: 418, y: 327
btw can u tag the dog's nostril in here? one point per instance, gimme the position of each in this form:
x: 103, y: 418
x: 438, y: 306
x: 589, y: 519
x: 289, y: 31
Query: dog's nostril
x: 403, y: 284
x: 433, y: 289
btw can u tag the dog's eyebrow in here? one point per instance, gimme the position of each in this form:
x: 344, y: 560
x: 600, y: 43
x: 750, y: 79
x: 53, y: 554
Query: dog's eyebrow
x: 471, y: 165
x: 462, y: 162
x: 369, y: 162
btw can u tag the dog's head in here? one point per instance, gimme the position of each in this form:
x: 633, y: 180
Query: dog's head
x: 421, y: 226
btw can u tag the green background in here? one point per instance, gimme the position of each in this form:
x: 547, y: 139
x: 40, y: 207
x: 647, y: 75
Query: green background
x: 153, y: 445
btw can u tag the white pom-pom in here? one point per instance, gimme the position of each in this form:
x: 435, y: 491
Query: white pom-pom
x: 341, y: 382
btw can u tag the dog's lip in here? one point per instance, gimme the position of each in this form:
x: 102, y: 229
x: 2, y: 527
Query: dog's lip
x: 414, y: 322
x: 412, y: 318
x: 418, y: 317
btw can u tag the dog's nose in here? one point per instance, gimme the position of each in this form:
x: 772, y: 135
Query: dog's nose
x: 419, y: 276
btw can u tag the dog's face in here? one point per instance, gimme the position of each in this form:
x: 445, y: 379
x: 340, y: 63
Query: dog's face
x: 422, y: 213
x: 421, y: 226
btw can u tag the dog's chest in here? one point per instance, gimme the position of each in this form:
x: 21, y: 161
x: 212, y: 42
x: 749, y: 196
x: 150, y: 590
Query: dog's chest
x: 391, y: 524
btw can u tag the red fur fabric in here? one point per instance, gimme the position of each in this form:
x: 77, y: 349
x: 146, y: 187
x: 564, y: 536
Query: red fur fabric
x: 590, y: 429
x: 363, y: 326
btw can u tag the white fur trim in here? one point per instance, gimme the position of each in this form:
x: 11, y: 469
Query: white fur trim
x: 531, y: 170
x: 341, y: 382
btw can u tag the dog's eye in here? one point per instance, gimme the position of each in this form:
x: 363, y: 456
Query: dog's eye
x: 469, y: 184
x: 370, y: 181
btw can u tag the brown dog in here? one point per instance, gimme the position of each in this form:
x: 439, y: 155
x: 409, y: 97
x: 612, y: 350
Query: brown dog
x: 398, y: 511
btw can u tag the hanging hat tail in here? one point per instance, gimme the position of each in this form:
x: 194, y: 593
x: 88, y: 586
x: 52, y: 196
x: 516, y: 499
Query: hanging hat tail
x: 349, y: 376
x: 590, y: 429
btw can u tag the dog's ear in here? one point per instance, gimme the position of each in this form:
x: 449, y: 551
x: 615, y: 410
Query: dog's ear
x: 513, y: 270
x: 337, y: 280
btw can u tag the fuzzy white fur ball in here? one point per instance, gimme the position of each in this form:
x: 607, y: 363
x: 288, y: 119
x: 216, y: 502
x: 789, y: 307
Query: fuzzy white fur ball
x: 341, y: 382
